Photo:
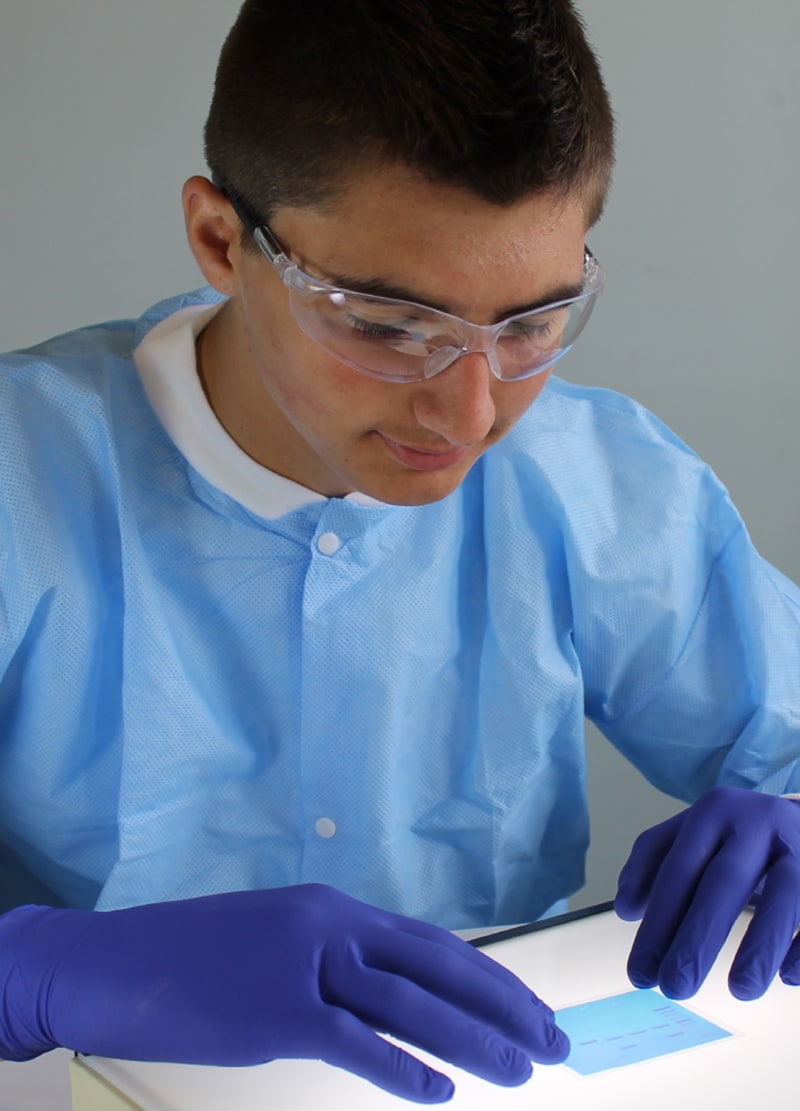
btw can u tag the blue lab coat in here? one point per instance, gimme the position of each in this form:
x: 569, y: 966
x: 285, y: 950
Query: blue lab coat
x: 212, y: 679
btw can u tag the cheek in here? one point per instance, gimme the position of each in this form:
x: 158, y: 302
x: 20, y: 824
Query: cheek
x: 292, y: 368
x: 318, y: 392
x: 309, y: 386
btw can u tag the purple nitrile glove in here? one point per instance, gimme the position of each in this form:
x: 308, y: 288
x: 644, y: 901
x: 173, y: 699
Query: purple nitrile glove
x: 691, y: 876
x: 251, y: 976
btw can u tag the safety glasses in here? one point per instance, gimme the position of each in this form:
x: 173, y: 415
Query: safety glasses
x: 400, y: 341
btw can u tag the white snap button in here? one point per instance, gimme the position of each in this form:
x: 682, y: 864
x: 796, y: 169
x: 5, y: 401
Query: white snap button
x: 328, y: 543
x: 325, y: 827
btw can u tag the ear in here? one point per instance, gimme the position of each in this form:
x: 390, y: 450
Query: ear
x: 213, y: 230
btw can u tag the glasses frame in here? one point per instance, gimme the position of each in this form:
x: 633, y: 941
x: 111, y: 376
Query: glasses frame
x: 481, y: 337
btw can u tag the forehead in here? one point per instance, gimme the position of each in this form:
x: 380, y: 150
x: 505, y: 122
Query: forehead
x: 439, y: 244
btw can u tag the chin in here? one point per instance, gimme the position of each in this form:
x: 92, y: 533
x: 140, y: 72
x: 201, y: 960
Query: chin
x: 415, y: 489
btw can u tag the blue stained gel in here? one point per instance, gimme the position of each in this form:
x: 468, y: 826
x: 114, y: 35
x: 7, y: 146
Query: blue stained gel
x: 635, y: 1026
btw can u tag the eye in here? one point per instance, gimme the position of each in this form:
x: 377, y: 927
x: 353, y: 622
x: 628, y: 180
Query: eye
x: 406, y: 337
x: 374, y: 329
x: 533, y: 329
x: 537, y: 329
x: 528, y: 330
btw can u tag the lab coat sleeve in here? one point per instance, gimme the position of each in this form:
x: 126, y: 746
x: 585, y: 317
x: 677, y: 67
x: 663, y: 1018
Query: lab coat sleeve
x: 693, y: 669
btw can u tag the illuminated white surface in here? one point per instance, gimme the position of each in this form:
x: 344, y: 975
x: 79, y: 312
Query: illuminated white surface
x: 40, y: 1085
x: 567, y: 964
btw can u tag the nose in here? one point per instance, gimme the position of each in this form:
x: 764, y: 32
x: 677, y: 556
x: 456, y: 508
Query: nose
x: 458, y: 403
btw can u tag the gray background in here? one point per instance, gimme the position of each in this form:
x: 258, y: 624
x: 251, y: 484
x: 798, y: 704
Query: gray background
x: 102, y: 110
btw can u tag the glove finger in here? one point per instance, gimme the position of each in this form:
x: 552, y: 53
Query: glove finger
x: 767, y: 944
x: 718, y: 902
x: 469, y: 985
x: 667, y: 903
x: 639, y: 872
x: 361, y: 1051
x: 406, y: 1011
x: 790, y: 969
x: 681, y: 955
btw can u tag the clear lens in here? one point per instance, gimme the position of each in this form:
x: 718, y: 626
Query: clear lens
x: 405, y: 342
x: 383, y: 340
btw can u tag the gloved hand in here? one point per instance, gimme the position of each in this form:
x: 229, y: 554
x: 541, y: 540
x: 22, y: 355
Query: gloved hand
x: 692, y: 875
x: 247, y: 977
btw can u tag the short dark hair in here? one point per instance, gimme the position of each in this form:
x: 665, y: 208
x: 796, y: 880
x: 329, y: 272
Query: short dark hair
x: 503, y: 98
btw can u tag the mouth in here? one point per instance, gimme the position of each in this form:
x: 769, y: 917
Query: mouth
x: 421, y: 459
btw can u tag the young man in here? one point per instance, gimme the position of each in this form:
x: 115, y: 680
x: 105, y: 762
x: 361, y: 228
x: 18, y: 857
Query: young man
x: 311, y: 577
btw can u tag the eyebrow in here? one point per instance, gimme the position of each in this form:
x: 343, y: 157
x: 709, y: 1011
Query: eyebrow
x: 377, y: 287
